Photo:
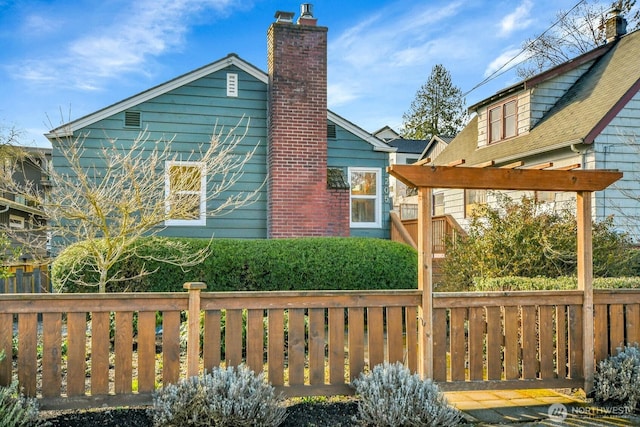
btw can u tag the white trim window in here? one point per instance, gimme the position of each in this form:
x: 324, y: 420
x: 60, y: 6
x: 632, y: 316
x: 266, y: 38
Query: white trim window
x: 16, y: 222
x: 365, y: 202
x: 185, y: 193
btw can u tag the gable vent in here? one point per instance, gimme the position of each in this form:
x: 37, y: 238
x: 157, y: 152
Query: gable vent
x: 331, y: 131
x: 132, y: 119
x: 232, y: 84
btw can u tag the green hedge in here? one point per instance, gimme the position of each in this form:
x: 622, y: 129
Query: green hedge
x: 261, y: 265
x: 545, y: 283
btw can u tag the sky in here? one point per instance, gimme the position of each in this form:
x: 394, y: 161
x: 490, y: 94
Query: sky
x: 63, y: 59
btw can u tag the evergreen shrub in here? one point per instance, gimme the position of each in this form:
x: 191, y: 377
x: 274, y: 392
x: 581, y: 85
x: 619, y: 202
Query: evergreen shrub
x: 314, y: 263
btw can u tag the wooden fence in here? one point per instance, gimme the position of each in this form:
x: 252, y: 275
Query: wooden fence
x: 26, y: 279
x: 74, y: 350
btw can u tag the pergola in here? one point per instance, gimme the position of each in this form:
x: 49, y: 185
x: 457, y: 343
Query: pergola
x: 582, y: 182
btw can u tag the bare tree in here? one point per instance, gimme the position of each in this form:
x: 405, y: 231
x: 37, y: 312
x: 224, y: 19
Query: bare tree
x: 131, y: 190
x: 575, y: 32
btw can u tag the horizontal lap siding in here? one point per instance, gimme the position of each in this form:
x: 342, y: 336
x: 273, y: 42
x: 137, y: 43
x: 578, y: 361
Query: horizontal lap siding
x: 618, y: 147
x: 189, y: 115
x: 348, y: 150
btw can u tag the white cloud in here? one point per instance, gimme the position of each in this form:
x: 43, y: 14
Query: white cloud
x: 504, y: 61
x: 516, y: 20
x: 123, y: 45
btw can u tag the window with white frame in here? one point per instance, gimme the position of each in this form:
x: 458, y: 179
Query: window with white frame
x: 185, y: 193
x: 502, y: 121
x: 366, y: 197
x: 16, y: 222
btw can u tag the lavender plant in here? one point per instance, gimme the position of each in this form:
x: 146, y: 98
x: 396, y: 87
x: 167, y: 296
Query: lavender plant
x: 225, y: 397
x: 391, y: 396
x: 15, y: 409
x: 617, y: 378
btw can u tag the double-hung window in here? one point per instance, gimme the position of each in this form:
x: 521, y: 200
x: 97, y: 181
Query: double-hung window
x: 185, y: 193
x: 366, y: 197
x: 503, y: 121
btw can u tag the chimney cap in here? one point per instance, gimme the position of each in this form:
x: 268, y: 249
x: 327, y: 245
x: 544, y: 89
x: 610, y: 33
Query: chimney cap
x: 615, y: 25
x: 282, y: 16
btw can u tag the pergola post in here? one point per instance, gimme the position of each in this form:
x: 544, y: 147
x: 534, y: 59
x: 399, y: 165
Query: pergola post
x: 425, y: 284
x: 585, y: 282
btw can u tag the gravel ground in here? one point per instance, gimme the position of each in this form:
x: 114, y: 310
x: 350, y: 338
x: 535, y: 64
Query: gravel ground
x: 301, y: 413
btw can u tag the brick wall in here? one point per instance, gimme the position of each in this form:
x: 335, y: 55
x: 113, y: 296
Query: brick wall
x: 299, y: 203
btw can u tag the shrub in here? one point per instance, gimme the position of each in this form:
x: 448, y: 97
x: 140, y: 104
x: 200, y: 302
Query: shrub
x: 391, y: 396
x: 314, y: 263
x: 528, y: 238
x: 225, y: 397
x: 617, y: 378
x: 550, y: 284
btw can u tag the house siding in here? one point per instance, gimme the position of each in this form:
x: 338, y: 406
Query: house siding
x: 190, y: 115
x: 617, y: 147
x: 546, y: 94
x: 348, y: 150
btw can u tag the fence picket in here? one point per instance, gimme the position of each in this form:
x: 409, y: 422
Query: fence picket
x: 27, y: 352
x: 616, y: 327
x: 170, y: 347
x: 316, y: 346
x: 395, y: 335
x: 212, y: 340
x: 547, y: 333
x: 275, y: 349
x: 233, y: 337
x: 76, y: 352
x: 336, y: 346
x: 440, y: 350
x: 100, y: 343
x: 476, y: 343
x: 296, y: 346
x: 255, y: 340
x: 146, y: 345
x: 375, y: 334
x: 356, y: 342
x: 632, y: 323
x: 529, y: 343
x: 51, y: 354
x: 6, y: 347
x: 458, y: 344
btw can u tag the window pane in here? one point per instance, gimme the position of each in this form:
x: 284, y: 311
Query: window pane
x: 494, y: 124
x: 510, y: 119
x: 185, y: 178
x: 363, y: 184
x: 185, y: 206
x: 363, y: 210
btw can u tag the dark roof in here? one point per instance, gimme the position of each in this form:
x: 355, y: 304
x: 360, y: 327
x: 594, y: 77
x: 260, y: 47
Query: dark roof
x: 410, y: 146
x: 577, y: 117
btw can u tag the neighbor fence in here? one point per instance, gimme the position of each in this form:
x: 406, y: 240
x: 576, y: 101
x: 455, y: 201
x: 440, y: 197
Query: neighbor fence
x: 74, y: 350
x: 26, y: 279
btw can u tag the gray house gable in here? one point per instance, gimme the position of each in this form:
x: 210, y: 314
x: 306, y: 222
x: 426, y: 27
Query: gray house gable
x: 187, y: 108
x: 584, y: 114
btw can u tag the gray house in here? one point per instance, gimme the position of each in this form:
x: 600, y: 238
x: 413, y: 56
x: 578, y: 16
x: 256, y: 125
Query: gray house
x: 325, y: 176
x: 583, y: 114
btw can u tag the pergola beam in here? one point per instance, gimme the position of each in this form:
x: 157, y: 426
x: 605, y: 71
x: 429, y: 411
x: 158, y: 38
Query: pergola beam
x: 504, y: 179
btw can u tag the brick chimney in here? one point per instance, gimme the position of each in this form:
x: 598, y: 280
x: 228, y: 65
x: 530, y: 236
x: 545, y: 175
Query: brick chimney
x: 299, y: 203
x: 615, y: 26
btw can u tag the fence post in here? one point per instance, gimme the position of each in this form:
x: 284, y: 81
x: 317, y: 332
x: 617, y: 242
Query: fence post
x: 193, y: 327
x: 585, y: 283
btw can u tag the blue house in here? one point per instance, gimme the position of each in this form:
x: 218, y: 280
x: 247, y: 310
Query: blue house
x: 324, y: 175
